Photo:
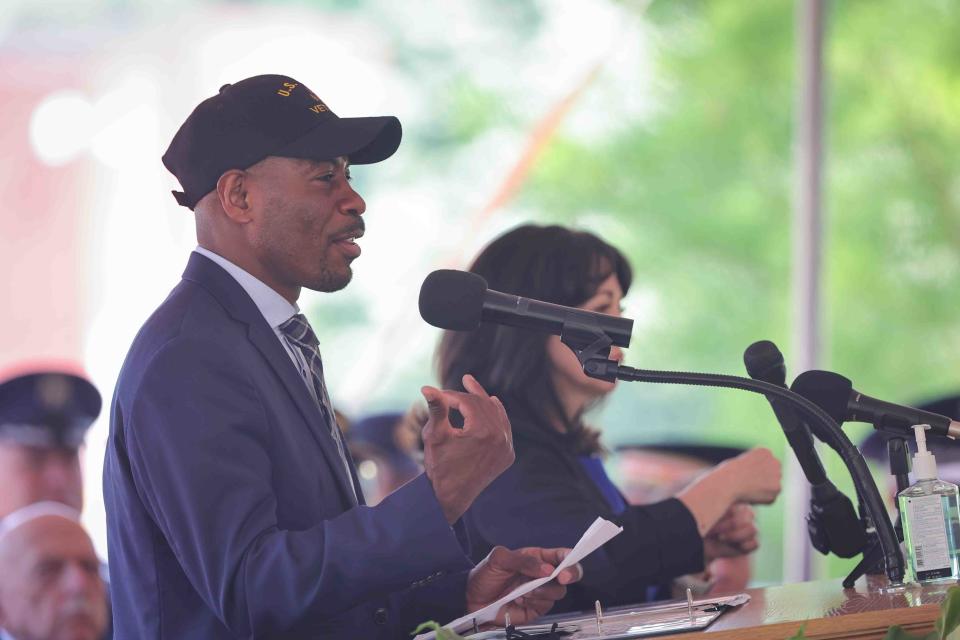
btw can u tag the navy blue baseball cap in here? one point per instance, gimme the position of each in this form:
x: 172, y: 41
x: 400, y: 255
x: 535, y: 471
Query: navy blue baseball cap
x: 47, y: 409
x: 268, y: 115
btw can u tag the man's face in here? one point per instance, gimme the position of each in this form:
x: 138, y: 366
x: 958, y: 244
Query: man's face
x: 50, y: 587
x: 306, y: 218
x: 35, y: 474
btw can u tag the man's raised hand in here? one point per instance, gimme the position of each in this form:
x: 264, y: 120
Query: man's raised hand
x: 461, y: 462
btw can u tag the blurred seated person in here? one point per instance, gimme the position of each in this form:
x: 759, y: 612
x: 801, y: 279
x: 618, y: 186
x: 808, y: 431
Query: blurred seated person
x: 558, y: 486
x: 44, y: 417
x: 649, y: 473
x: 50, y: 584
x: 385, y: 448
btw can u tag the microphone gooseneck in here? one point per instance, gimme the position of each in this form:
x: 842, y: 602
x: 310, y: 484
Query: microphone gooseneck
x: 866, y: 488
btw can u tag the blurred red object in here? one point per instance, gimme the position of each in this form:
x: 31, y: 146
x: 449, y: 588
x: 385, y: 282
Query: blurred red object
x: 42, y: 220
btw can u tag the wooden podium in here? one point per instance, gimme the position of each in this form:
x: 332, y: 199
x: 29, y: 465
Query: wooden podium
x: 864, y: 612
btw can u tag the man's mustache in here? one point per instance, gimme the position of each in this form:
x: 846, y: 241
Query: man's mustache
x: 357, y: 228
x: 84, y: 607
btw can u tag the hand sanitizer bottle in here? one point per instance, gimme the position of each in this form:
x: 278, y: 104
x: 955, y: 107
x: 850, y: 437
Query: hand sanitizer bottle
x: 930, y: 518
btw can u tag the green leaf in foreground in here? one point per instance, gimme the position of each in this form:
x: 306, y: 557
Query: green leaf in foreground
x: 949, y: 618
x: 442, y: 634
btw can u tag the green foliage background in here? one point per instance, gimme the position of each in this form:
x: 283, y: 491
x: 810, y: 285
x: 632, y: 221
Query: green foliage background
x: 698, y: 190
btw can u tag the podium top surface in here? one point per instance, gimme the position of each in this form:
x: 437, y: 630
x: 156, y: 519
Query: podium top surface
x: 830, y: 611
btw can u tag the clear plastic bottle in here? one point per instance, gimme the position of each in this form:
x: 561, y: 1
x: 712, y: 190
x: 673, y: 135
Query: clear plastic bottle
x: 931, y: 519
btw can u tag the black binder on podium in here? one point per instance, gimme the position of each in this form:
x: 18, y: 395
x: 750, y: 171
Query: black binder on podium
x: 622, y: 623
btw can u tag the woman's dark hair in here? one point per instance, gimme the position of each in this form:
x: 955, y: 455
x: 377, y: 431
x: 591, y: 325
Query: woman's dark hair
x: 549, y: 263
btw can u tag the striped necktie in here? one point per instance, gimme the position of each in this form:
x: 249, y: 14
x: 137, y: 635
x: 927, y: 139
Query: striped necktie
x: 299, y: 333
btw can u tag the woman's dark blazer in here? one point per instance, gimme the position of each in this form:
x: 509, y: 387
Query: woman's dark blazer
x: 546, y: 499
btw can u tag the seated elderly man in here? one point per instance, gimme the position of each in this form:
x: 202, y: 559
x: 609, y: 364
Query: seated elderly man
x: 50, y: 585
x: 43, y: 419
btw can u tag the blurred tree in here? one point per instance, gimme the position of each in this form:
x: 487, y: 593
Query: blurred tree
x: 699, y: 195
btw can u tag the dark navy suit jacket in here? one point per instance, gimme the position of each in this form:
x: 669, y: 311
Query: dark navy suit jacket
x: 547, y: 499
x: 228, y: 511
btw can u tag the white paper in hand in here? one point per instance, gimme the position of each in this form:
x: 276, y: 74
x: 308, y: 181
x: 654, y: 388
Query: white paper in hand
x: 592, y: 539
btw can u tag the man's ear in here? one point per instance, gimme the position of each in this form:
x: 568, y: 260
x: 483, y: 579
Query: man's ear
x: 233, y: 196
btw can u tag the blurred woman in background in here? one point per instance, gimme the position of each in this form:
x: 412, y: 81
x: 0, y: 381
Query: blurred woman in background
x: 558, y: 486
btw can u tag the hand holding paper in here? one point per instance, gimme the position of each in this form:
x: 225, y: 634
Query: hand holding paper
x: 503, y: 571
x: 595, y: 536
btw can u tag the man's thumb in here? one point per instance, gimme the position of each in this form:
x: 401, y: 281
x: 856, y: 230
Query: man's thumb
x: 436, y: 403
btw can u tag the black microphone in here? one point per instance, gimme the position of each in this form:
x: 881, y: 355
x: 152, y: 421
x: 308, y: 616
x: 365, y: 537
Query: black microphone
x: 832, y: 522
x: 835, y: 395
x: 764, y: 361
x: 460, y: 301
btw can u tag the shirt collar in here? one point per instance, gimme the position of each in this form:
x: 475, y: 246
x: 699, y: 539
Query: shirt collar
x: 275, y: 308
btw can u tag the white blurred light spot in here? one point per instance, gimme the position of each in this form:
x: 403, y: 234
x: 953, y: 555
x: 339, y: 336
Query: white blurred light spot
x: 126, y: 137
x: 126, y: 126
x: 367, y: 469
x: 60, y: 127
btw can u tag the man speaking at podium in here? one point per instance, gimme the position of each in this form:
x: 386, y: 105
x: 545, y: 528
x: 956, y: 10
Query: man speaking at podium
x: 233, y: 507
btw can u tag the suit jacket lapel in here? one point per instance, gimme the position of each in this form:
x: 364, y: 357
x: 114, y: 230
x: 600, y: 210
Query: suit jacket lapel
x: 238, y: 304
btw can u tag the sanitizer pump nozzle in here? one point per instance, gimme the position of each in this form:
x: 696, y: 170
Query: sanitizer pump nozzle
x: 924, y: 462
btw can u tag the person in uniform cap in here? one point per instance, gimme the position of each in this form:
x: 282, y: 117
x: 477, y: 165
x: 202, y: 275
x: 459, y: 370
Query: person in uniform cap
x: 233, y: 505
x: 44, y: 417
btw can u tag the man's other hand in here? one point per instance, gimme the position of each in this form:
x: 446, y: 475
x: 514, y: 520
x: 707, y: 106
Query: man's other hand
x: 460, y: 463
x: 503, y: 570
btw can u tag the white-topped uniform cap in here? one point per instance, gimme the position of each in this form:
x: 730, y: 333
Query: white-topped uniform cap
x: 33, y: 511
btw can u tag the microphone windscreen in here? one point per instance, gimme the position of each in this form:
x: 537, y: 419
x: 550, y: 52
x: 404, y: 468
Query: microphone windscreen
x: 451, y: 299
x: 828, y: 390
x: 764, y: 361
